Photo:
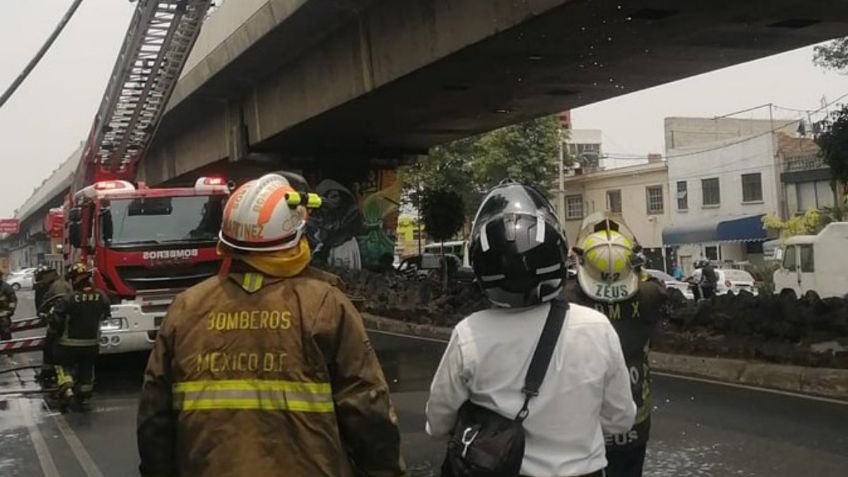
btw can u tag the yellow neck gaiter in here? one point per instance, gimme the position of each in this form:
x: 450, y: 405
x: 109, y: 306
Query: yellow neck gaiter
x: 281, y: 264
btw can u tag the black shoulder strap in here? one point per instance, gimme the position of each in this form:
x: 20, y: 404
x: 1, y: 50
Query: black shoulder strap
x: 542, y: 355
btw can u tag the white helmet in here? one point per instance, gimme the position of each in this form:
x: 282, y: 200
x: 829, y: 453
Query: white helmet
x: 606, y: 259
x: 258, y: 217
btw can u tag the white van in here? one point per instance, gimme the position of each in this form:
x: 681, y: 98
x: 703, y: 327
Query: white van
x: 815, y: 262
x: 457, y: 247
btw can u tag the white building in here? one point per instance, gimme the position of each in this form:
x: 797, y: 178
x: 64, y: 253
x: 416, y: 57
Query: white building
x: 724, y: 177
x: 584, y: 145
x: 639, y: 193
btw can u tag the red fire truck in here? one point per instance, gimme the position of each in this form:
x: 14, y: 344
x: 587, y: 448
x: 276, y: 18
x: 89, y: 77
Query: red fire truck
x: 145, y: 244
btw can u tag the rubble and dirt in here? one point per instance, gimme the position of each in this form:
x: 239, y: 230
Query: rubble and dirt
x: 809, y: 331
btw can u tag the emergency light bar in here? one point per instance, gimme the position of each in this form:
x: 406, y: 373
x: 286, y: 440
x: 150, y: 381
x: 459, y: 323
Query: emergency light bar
x: 105, y: 187
x: 211, y: 183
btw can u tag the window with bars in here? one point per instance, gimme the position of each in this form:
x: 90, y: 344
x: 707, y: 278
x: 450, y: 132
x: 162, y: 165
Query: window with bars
x: 574, y: 207
x: 682, y: 196
x: 614, y: 201
x: 654, y: 195
x: 711, y: 192
x: 752, y: 187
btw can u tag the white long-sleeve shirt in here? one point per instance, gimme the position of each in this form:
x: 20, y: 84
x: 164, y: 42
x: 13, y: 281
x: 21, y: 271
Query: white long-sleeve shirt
x: 585, y: 394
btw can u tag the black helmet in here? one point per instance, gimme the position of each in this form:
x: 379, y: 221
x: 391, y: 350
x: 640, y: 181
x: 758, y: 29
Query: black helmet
x: 518, y: 250
x: 77, y: 272
x: 44, y: 274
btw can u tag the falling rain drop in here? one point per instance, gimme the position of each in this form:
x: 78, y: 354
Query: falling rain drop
x: 609, y: 38
x: 595, y: 83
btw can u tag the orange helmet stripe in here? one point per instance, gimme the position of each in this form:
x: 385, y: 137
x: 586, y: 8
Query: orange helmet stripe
x: 271, y: 204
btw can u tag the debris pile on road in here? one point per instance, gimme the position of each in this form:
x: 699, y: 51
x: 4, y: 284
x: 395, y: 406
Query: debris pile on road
x: 808, y: 331
x: 393, y: 295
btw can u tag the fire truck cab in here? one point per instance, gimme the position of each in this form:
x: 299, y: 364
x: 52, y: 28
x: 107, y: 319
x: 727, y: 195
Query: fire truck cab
x: 144, y: 245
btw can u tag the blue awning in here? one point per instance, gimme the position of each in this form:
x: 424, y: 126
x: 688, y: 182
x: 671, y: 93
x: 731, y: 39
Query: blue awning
x: 724, y: 229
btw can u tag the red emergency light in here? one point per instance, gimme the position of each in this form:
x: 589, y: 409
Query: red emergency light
x: 112, y: 185
x: 212, y: 183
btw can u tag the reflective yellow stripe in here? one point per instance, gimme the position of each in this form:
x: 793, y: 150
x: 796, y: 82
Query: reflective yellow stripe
x: 63, y: 377
x: 252, y: 282
x: 253, y: 394
x: 252, y: 384
x: 255, y: 404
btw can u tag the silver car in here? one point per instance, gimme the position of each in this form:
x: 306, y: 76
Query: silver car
x: 21, y: 279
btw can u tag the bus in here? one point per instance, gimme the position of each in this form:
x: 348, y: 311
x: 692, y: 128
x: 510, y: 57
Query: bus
x: 456, y: 247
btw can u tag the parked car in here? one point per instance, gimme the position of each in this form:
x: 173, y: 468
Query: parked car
x: 671, y: 282
x: 21, y: 279
x: 730, y: 281
x: 427, y: 264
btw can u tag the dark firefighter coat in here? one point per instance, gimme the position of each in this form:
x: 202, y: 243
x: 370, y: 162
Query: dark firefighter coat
x: 8, y: 304
x: 76, y: 318
x: 634, y: 320
x: 46, y: 294
x: 259, y: 376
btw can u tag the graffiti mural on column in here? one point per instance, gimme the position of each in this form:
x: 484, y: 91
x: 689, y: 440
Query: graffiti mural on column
x: 356, y: 227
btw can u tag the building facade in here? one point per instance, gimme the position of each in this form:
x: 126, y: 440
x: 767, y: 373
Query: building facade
x: 639, y: 193
x: 724, y: 176
x: 806, y: 181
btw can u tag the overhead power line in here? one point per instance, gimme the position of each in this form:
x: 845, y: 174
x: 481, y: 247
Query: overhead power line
x: 633, y: 157
x: 32, y: 64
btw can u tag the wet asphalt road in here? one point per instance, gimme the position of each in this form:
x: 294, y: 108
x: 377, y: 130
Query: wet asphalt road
x: 700, y: 429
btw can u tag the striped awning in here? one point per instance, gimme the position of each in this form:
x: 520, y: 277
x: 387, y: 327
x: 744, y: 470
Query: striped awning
x: 722, y: 230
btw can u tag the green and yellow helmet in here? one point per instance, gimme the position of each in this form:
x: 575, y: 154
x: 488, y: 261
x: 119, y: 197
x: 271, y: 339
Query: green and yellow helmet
x: 605, y: 252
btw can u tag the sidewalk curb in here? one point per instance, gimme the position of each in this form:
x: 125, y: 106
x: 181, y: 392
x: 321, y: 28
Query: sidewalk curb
x: 826, y: 382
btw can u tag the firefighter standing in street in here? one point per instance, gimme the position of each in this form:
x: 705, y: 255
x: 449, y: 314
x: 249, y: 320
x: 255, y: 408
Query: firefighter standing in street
x: 8, y: 303
x: 267, y: 370
x: 48, y: 287
x: 610, y: 279
x: 75, y: 322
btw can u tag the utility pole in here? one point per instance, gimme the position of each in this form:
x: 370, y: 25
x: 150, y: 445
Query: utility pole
x: 418, y: 220
x: 561, y: 188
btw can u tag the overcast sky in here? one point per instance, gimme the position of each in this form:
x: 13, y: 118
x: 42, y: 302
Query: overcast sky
x: 53, y: 110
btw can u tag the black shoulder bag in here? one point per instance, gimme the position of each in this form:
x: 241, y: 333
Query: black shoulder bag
x: 486, y: 444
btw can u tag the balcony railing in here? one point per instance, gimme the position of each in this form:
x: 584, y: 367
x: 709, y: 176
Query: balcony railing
x: 808, y: 162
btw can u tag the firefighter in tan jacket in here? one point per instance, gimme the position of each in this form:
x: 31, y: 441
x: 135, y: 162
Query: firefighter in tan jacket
x: 266, y: 371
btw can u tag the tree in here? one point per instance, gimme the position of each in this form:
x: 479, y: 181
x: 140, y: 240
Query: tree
x: 526, y: 152
x: 443, y: 215
x: 810, y: 223
x: 833, y: 138
x: 833, y: 141
x: 832, y: 55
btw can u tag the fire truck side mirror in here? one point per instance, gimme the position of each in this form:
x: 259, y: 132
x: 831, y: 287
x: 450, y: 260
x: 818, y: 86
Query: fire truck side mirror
x: 74, y: 236
x: 75, y: 215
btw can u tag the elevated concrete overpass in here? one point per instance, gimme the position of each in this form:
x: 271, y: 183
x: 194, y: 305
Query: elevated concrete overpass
x: 382, y: 78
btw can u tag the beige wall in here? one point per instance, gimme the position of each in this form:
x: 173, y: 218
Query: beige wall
x: 632, y: 182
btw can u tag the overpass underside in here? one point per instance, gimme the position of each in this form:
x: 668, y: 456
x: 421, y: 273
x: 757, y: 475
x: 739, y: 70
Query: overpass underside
x: 395, y: 77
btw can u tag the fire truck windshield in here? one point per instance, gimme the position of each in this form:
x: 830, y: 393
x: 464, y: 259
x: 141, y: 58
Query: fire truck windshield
x: 146, y: 220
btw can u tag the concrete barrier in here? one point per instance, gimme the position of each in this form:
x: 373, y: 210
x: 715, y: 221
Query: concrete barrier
x: 832, y: 383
